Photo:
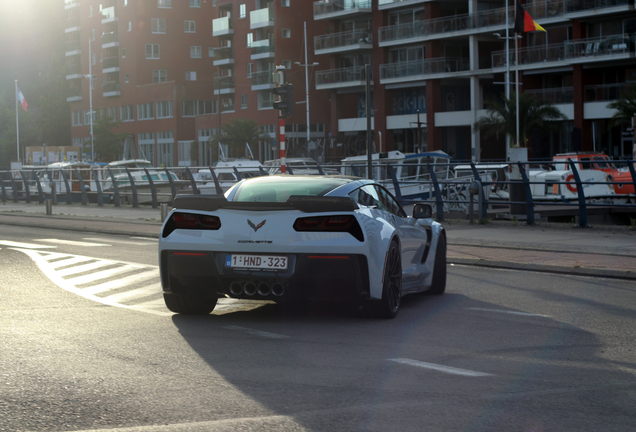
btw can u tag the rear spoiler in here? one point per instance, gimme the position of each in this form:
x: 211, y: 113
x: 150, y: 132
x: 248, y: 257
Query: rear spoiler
x: 306, y: 204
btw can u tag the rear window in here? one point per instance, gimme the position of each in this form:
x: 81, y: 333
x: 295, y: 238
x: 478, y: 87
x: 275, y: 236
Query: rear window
x: 280, y: 188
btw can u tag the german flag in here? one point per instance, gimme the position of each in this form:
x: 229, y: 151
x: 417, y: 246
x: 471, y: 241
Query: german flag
x: 524, y: 22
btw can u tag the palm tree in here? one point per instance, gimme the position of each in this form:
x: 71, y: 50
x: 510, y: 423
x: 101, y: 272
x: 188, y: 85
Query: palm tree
x: 240, y: 131
x: 533, y: 114
x: 625, y: 109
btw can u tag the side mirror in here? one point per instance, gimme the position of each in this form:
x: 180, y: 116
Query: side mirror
x: 422, y: 211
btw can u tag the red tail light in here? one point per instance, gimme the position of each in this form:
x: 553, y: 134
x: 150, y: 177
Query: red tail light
x: 337, y: 223
x: 185, y: 220
x: 191, y: 221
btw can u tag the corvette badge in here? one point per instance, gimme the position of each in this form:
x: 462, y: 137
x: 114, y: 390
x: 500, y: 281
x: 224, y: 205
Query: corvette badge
x: 256, y: 227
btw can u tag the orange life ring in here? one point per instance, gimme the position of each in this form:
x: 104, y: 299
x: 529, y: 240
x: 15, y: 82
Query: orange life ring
x: 568, y: 182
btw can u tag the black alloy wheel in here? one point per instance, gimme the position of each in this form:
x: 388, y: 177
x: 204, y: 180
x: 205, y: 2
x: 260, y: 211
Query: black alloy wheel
x: 389, y: 306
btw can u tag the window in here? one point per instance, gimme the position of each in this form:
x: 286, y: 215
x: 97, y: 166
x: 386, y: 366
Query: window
x: 90, y: 11
x: 243, y: 101
x: 87, y: 117
x: 191, y: 108
x: 112, y: 112
x: 284, y: 3
x: 242, y: 11
x: 211, y: 52
x: 195, y: 3
x: 127, y: 77
x: 101, y: 57
x: 123, y: 53
x: 125, y: 2
x: 126, y: 113
x: 250, y: 69
x: 93, y: 59
x: 250, y: 39
x: 189, y: 26
x: 164, y: 109
x: 145, y: 111
x: 286, y: 33
x: 287, y: 64
x: 158, y: 25
x: 129, y: 25
x: 93, y: 34
x: 152, y: 51
x: 195, y: 52
x: 77, y: 118
x: 191, y: 76
x: 159, y: 76
x: 164, y: 3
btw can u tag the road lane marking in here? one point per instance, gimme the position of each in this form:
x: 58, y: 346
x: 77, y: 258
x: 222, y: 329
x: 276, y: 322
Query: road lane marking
x: 85, y: 267
x: 148, y: 242
x: 71, y: 242
x: 256, y: 332
x: 136, y: 293
x: 93, y: 277
x: 68, y: 261
x: 24, y: 245
x: 121, y: 282
x: 507, y: 312
x: 440, y: 368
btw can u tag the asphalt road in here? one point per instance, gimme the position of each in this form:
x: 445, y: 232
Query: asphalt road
x: 502, y: 350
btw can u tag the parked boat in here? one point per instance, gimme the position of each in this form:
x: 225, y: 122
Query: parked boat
x: 162, y: 180
x: 298, y: 166
x: 227, y: 172
x: 601, y: 162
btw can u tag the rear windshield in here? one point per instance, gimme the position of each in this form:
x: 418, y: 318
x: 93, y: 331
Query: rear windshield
x: 280, y: 188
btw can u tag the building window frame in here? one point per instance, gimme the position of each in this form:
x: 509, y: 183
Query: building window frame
x: 164, y: 4
x: 189, y: 26
x: 195, y: 51
x: 153, y: 52
x: 286, y: 33
x: 158, y: 25
x: 159, y: 76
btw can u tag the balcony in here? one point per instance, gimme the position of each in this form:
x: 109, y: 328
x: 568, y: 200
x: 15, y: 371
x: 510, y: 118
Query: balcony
x: 223, y: 56
x: 222, y: 26
x: 110, y: 40
x: 580, y: 51
x: 262, y: 80
x: 607, y: 92
x: 559, y: 95
x: 262, y: 49
x: 73, y: 71
x: 110, y: 65
x: 261, y: 18
x: 109, y: 15
x: 224, y: 85
x: 266, y: 104
x: 72, y: 48
x: 341, y: 78
x: 73, y: 94
x: 390, y: 4
x: 434, y: 68
x: 72, y: 24
x: 110, y: 89
x: 335, y: 9
x: 70, y: 4
x: 343, y: 42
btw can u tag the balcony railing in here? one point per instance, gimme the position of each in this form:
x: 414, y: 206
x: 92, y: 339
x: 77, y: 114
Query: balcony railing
x: 109, y: 14
x: 341, y: 76
x: 342, y: 40
x: 440, y: 65
x: 323, y: 8
x: 607, y: 92
x: 262, y: 46
x: 397, y: 2
x: 223, y: 83
x: 559, y: 95
x: 268, y: 103
x: 71, y: 22
x: 110, y: 62
x: 110, y: 38
x: 261, y: 18
x: 221, y: 26
x: 73, y: 69
x: 582, y: 50
x: 223, y: 53
x: 72, y: 46
x: 73, y: 92
x: 111, y: 86
x: 262, y: 78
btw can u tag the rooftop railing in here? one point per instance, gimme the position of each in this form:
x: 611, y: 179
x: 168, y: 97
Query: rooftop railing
x: 325, y: 7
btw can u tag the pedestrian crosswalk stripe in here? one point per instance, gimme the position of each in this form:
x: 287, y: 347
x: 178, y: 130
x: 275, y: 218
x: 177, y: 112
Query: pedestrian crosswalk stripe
x: 135, y: 293
x: 84, y: 268
x: 93, y: 277
x: 24, y: 245
x: 69, y: 261
x: 118, y: 283
x: 71, y: 242
x: 139, y: 242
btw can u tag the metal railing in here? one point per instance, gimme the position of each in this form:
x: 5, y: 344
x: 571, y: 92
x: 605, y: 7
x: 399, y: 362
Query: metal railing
x: 340, y: 76
x: 423, y: 67
x: 342, y: 39
x: 325, y: 7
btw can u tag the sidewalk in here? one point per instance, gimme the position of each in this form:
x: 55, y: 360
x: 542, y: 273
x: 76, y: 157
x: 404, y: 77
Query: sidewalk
x: 608, y: 251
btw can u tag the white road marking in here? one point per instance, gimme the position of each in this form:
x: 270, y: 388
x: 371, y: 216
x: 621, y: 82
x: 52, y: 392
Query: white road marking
x: 136, y: 293
x: 150, y: 239
x: 440, y: 368
x: 256, y: 332
x: 93, y: 277
x: 507, y: 312
x: 69, y: 261
x: 128, y: 242
x: 71, y: 242
x: 85, y: 267
x: 24, y: 245
x: 118, y: 283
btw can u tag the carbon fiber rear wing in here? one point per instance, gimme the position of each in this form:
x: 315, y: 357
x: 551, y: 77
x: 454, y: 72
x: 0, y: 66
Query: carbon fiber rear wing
x: 306, y: 204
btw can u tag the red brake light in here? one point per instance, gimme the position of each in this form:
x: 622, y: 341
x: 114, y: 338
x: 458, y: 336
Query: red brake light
x: 210, y: 222
x: 185, y: 220
x: 308, y: 224
x: 337, y: 223
x: 194, y: 221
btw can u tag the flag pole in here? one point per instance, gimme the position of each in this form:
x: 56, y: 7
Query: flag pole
x: 517, y: 82
x: 17, y: 124
x: 507, y: 73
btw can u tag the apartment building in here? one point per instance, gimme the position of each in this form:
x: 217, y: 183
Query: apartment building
x: 435, y: 63
x: 172, y: 71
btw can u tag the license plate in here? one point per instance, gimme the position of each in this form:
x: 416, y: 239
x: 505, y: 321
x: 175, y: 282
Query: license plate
x: 267, y: 262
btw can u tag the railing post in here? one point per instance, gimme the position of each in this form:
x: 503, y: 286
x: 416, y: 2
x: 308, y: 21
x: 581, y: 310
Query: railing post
x: 438, y: 194
x: 153, y: 190
x: 115, y: 187
x: 217, y: 185
x: 396, y: 185
x: 133, y: 189
x: 40, y: 192
x: 4, y: 191
x: 630, y: 165
x: 529, y: 200
x: 320, y: 171
x: 82, y: 188
x: 195, y: 190
x: 26, y: 187
x: 98, y: 186
x: 68, y: 187
x: 581, y: 195
x: 173, y: 189
x: 484, y: 207
x: 14, y: 188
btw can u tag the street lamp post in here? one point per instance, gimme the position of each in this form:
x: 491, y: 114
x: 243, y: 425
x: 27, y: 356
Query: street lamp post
x: 306, y: 65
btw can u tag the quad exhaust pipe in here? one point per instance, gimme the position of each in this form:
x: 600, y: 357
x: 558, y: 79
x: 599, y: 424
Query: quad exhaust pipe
x: 263, y: 289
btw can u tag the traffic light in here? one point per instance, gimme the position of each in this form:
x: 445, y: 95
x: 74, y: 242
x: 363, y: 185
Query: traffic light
x: 286, y: 102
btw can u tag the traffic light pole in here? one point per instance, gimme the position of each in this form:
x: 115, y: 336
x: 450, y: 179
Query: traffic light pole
x: 281, y: 130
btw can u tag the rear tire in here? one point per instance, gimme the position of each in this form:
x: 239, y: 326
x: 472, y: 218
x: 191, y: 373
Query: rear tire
x: 189, y: 304
x: 438, y: 285
x: 389, y: 306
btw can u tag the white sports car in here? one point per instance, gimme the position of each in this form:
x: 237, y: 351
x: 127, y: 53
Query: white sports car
x: 286, y: 237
